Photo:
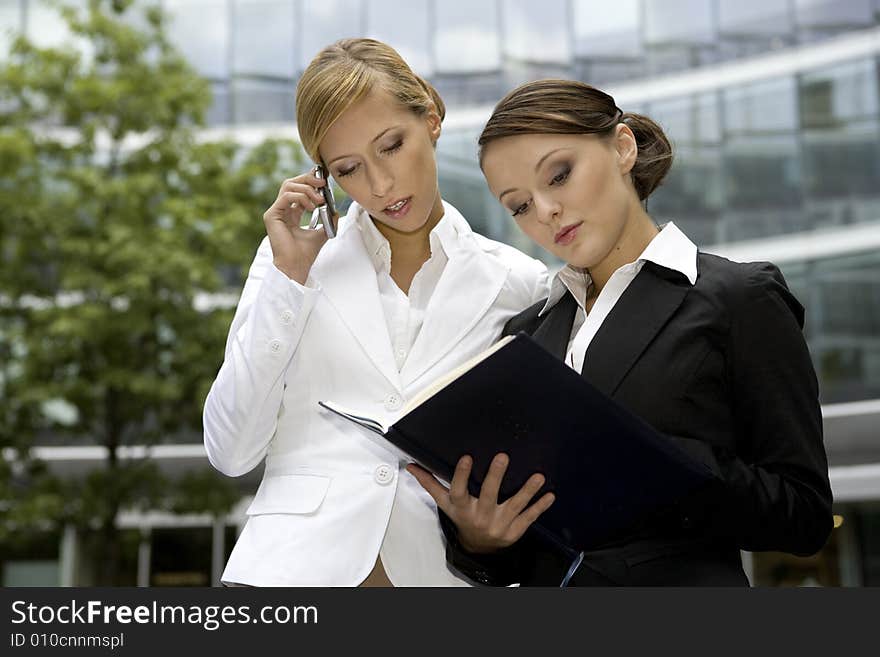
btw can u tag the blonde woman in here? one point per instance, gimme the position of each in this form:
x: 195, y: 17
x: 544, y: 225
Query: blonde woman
x: 404, y: 292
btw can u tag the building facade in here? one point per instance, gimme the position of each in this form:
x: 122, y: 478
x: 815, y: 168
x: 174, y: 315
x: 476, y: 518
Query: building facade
x: 773, y: 107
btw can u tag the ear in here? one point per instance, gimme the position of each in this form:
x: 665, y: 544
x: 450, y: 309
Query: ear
x: 626, y: 147
x: 434, y: 125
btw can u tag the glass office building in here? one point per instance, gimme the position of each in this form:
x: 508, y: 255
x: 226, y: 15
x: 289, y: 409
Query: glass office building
x: 774, y: 110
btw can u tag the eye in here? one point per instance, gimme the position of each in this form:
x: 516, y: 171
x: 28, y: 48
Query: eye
x: 519, y: 210
x: 395, y: 146
x: 342, y: 173
x: 560, y: 177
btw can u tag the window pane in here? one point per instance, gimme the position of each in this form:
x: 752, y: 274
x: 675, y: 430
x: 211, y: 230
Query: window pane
x: 834, y: 13
x: 762, y: 164
x: 762, y: 174
x: 761, y: 107
x: 843, y: 166
x: 404, y: 26
x: 220, y: 112
x: 747, y: 18
x: 609, y: 34
x: 676, y: 117
x: 262, y: 38
x: 200, y: 28
x: 322, y: 23
x: 691, y: 195
x: 678, y: 21
x: 841, y: 143
x: 708, y: 125
x: 263, y: 101
x: 845, y: 317
x: 840, y: 94
x: 467, y: 37
x: 537, y: 31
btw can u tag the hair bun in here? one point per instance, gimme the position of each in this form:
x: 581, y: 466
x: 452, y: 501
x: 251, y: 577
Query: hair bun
x: 655, y: 153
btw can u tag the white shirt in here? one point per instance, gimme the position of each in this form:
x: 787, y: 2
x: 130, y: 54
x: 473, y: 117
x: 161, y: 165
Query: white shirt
x: 404, y: 314
x: 670, y: 248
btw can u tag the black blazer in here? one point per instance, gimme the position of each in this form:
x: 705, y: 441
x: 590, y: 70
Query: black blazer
x: 722, y: 369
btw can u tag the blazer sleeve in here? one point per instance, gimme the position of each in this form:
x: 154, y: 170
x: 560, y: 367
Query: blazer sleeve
x: 241, y: 409
x: 542, y: 283
x: 775, y: 492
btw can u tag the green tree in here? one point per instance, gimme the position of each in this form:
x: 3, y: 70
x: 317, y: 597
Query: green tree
x: 116, y: 221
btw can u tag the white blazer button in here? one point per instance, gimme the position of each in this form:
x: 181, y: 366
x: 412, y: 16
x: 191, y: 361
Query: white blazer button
x: 393, y: 402
x: 384, y: 474
x: 275, y: 346
x: 287, y: 317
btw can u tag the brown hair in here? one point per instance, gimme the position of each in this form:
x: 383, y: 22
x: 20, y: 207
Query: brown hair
x: 569, y: 107
x: 343, y: 73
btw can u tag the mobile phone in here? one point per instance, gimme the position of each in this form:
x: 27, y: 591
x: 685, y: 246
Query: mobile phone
x: 326, y: 213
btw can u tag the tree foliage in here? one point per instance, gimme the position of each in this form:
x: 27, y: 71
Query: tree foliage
x: 117, y: 224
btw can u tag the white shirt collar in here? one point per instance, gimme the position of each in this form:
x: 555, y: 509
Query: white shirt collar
x: 670, y: 248
x: 442, y: 237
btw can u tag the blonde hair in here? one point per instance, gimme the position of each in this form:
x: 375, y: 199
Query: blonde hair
x: 346, y: 71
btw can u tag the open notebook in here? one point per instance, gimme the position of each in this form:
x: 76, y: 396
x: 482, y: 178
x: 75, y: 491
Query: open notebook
x: 607, y: 467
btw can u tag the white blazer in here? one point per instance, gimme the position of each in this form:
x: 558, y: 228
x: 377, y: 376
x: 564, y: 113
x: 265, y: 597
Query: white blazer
x: 330, y: 498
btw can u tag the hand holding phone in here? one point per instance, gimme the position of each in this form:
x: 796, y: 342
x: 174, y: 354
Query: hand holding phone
x: 326, y: 213
x: 294, y: 246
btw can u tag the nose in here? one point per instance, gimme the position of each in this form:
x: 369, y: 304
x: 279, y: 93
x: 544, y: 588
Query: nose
x: 381, y: 181
x: 547, y: 209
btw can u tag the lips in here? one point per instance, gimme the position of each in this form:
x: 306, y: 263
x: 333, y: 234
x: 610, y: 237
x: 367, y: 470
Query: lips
x: 399, y: 208
x: 567, y: 234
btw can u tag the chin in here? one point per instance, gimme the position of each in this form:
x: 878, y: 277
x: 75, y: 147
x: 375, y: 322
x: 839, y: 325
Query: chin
x: 577, y: 258
x: 409, y: 224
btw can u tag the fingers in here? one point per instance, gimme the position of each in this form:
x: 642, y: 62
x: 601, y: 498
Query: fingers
x: 524, y: 495
x: 525, y: 519
x: 492, y: 483
x: 308, y: 178
x: 487, y: 524
x: 288, y: 208
x: 307, y: 191
x: 458, y: 490
x: 434, y: 488
x: 294, y: 200
x: 298, y: 194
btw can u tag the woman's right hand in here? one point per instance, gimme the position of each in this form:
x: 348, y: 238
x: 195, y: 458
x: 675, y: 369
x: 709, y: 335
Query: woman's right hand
x: 294, y: 248
x: 483, y: 524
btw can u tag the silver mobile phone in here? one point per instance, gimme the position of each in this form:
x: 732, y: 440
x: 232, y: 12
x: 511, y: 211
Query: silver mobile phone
x: 325, y: 214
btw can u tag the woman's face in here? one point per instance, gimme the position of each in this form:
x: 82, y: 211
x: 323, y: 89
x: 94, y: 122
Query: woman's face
x: 569, y: 193
x: 382, y: 154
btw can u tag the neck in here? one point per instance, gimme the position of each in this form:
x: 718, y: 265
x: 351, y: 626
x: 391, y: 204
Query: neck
x: 415, y: 247
x: 638, y: 232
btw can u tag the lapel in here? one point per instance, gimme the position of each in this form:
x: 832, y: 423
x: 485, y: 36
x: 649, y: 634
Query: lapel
x: 554, y: 332
x: 467, y: 288
x: 347, y: 278
x: 645, y: 307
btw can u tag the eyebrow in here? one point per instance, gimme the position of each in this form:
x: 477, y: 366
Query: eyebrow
x: 375, y: 139
x: 537, y: 166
